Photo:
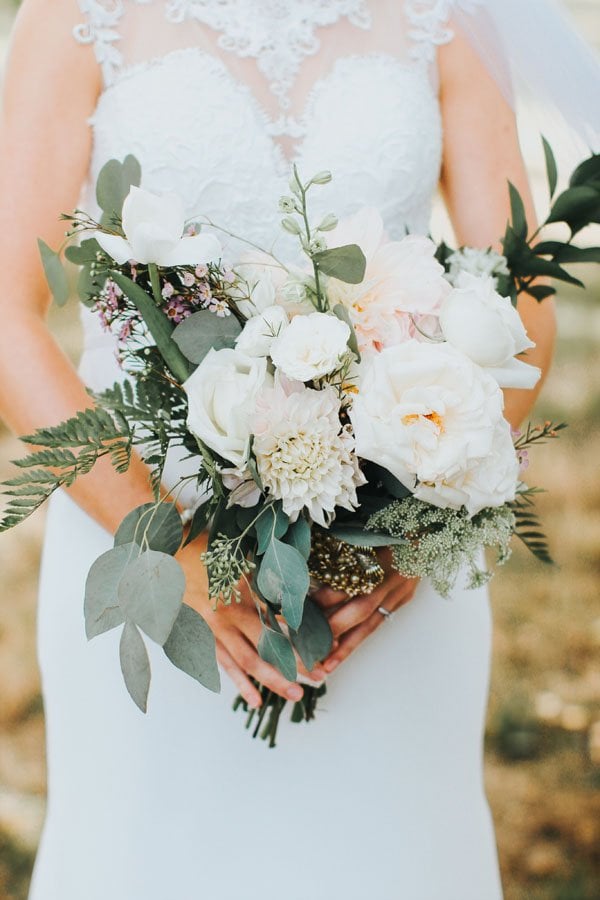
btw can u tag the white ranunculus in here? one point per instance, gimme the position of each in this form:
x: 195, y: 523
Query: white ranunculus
x: 491, y: 481
x: 222, y: 395
x: 311, y: 346
x: 488, y: 329
x: 260, y: 331
x: 153, y: 225
x: 475, y: 261
x: 429, y: 415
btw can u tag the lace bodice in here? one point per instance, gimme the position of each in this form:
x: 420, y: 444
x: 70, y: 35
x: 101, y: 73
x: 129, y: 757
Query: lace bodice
x: 217, y: 98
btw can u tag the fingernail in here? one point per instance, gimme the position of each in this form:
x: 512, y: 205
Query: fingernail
x: 295, y: 693
x: 255, y: 704
x: 335, y: 645
x: 318, y: 673
x: 331, y: 664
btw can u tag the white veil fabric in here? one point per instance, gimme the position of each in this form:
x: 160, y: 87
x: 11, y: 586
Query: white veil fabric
x: 532, y: 48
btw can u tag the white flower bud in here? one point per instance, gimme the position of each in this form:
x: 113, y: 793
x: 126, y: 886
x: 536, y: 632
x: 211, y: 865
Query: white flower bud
x: 329, y: 223
x: 321, y: 177
x: 291, y: 225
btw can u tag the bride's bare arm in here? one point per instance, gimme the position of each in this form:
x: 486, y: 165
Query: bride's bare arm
x: 51, y: 88
x: 482, y: 153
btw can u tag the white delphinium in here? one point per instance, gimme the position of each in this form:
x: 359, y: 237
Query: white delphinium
x: 311, y: 346
x: 474, y: 261
x: 304, y: 456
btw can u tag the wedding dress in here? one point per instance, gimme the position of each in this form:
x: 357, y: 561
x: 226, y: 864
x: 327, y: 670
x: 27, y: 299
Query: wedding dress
x: 381, y: 797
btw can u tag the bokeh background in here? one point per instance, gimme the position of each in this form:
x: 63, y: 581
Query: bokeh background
x: 543, y: 733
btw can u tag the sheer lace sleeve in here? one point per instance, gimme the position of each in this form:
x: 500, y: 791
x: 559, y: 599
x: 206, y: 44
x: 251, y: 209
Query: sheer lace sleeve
x: 100, y: 28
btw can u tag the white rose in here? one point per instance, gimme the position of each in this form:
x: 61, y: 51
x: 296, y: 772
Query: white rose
x: 153, y: 225
x: 425, y: 412
x: 222, y: 395
x: 488, y: 329
x: 311, y: 346
x: 491, y: 481
x: 260, y: 331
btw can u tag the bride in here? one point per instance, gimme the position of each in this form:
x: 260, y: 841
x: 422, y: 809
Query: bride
x: 217, y: 98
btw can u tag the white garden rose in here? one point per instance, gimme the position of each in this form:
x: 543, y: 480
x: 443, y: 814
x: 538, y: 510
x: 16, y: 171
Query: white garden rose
x: 311, y: 346
x: 491, y: 481
x: 488, y: 329
x: 304, y: 456
x: 427, y: 414
x: 260, y: 331
x: 222, y: 395
x: 154, y: 225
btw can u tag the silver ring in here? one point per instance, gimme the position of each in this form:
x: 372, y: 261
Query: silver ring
x: 387, y: 615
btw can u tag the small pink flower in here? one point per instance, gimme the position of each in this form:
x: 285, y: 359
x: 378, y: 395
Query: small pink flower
x: 177, y: 310
x: 188, y: 279
x: 168, y: 290
x: 201, y: 271
x: 229, y: 277
x: 220, y: 308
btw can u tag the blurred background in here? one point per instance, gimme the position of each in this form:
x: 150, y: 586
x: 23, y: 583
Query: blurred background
x: 543, y: 733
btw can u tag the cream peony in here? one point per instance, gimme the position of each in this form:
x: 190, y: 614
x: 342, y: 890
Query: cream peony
x: 304, y: 456
x: 491, y: 481
x: 488, y: 329
x: 402, y: 278
x: 311, y: 346
x: 260, y: 331
x: 153, y: 225
x: 429, y: 415
x: 222, y: 395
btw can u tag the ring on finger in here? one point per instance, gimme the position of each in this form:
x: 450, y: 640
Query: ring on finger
x: 387, y: 615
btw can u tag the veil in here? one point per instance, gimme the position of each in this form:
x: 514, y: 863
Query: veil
x: 533, y: 50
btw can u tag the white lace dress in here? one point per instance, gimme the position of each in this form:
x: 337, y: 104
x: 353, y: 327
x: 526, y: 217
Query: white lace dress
x: 381, y: 797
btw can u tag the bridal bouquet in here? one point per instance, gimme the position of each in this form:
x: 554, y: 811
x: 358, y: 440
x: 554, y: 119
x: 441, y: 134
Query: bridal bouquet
x: 327, y: 410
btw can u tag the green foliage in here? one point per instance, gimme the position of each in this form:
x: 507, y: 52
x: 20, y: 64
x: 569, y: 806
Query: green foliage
x: 67, y: 451
x: 151, y: 591
x: 114, y: 183
x: 314, y: 639
x: 347, y: 264
x: 299, y: 536
x: 191, y: 647
x: 153, y: 526
x: 528, y: 526
x: 101, y: 605
x: 55, y: 273
x: 274, y: 648
x: 135, y: 665
x: 361, y: 537
x: 342, y: 313
x: 204, y: 331
x: 551, y: 168
x: 283, y: 579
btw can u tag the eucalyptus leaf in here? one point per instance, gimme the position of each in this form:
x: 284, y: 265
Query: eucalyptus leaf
x: 299, y: 536
x: 101, y: 604
x: 55, y: 273
x: 204, y: 331
x: 274, y: 648
x: 115, y: 181
x: 347, y: 264
x: 283, y: 578
x: 84, y: 253
x: 340, y: 311
x: 199, y: 522
x: 135, y: 665
x: 314, y: 639
x: 273, y: 523
x: 359, y: 537
x: 151, y: 592
x: 191, y: 647
x: 154, y: 526
x: 551, y: 169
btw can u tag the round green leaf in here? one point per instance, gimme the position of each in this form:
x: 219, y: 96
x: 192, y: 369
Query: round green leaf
x: 101, y: 604
x: 191, y: 647
x: 275, y: 649
x: 283, y: 578
x: 156, y: 526
x: 314, y: 638
x: 150, y: 593
x: 204, y: 331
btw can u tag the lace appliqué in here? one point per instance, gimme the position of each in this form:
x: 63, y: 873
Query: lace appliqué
x: 429, y: 25
x: 100, y: 29
x: 278, y: 36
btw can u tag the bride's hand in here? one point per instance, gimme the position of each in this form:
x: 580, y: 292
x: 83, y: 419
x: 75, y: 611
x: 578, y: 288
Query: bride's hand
x: 237, y: 630
x: 352, y: 621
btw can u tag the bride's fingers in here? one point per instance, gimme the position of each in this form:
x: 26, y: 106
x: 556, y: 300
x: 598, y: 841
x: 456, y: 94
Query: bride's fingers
x: 241, y: 681
x: 244, y: 653
x: 354, y: 612
x: 353, y: 639
x: 327, y: 598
